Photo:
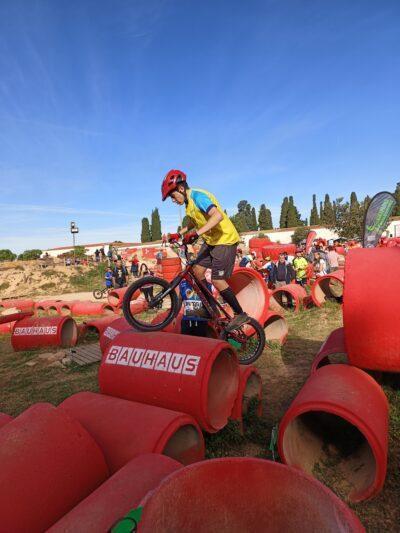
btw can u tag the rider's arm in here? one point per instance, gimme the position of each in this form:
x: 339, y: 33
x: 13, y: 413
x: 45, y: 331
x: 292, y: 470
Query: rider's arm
x: 214, y: 220
x: 187, y: 228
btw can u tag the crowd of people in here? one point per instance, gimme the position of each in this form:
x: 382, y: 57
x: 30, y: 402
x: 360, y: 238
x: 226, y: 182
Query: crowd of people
x: 320, y: 260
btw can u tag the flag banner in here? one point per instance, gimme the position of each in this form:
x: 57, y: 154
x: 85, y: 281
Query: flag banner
x: 377, y: 217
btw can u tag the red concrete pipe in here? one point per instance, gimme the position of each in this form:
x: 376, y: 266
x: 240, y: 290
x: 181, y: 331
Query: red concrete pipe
x: 22, y: 305
x: 340, y: 419
x: 4, y: 419
x: 276, y: 328
x: 171, y: 266
x: 333, y: 346
x: 371, y: 309
x: 6, y: 328
x: 118, y: 495
x: 259, y: 242
x: 251, y: 291
x: 49, y: 463
x: 13, y: 317
x: 42, y: 307
x: 37, y: 332
x: 250, y: 387
x: 116, y: 296
x: 274, y: 249
x: 329, y: 287
x: 99, y: 325
x: 194, y: 375
x: 91, y: 308
x: 124, y: 429
x: 244, y: 494
x: 112, y: 330
x: 60, y: 308
x: 289, y: 297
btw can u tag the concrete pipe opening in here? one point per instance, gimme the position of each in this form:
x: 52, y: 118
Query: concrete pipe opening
x: 108, y: 310
x: 327, y: 445
x: 222, y: 385
x: 41, y: 310
x: 275, y: 328
x: 185, y: 445
x: 252, y: 390
x: 328, y: 288
x: 283, y: 300
x: 52, y: 310
x: 244, y: 494
x: 251, y: 292
x: 65, y: 310
x: 69, y: 333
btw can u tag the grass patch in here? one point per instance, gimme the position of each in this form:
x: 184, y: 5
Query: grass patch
x: 90, y: 279
x: 4, y: 286
x: 49, y: 273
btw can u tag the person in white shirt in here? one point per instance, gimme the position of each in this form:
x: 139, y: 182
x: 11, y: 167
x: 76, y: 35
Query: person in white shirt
x: 319, y: 265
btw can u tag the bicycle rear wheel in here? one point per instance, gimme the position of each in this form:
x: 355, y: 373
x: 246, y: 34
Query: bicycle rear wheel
x: 150, y: 311
x: 98, y: 294
x: 248, y: 340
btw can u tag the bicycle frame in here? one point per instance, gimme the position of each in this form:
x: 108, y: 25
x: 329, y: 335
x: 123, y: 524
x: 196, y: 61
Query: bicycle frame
x: 202, y: 290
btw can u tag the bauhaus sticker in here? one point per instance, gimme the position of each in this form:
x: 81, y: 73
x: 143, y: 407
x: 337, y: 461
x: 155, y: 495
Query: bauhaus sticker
x: 36, y: 330
x: 111, y: 333
x: 176, y: 363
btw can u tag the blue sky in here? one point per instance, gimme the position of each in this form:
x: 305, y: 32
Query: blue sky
x: 253, y: 99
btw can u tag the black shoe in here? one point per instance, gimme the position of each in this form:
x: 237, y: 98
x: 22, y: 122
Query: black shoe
x: 237, y: 321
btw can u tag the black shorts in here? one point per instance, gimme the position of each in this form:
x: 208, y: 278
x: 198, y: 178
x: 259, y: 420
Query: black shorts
x: 220, y: 258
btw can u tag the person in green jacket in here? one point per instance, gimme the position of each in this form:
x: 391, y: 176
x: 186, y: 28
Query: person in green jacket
x: 300, y: 264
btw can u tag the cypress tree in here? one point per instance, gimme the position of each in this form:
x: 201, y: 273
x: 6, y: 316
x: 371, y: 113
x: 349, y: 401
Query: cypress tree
x: 254, y: 224
x: 155, y: 225
x: 321, y: 212
x: 292, y: 220
x: 314, y: 218
x: 146, y: 234
x: 328, y: 213
x: 264, y: 218
x: 269, y: 220
x: 353, y: 201
x: 284, y: 213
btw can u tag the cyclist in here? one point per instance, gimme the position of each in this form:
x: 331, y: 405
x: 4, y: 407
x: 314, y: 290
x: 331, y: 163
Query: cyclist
x: 207, y: 220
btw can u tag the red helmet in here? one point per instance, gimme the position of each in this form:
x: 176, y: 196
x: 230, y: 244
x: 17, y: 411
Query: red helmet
x: 171, y: 182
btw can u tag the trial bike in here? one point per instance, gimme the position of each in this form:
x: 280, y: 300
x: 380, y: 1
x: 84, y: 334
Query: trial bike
x: 163, y: 307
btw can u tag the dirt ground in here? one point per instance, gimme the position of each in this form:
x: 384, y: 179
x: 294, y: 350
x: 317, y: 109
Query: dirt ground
x: 28, y: 377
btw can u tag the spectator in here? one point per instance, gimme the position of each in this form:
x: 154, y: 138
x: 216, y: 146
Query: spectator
x: 247, y: 260
x: 333, y: 258
x: 319, y: 265
x: 288, y: 258
x: 300, y: 264
x: 266, y: 270
x: 68, y: 262
x: 97, y: 255
x: 195, y: 316
x: 109, y: 256
x: 109, y: 278
x: 146, y: 290
x: 120, y: 274
x: 135, y: 266
x: 164, y: 241
x: 159, y: 256
x: 102, y: 254
x: 282, y: 273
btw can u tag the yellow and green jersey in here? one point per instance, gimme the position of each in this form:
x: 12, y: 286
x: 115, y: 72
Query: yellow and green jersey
x: 199, y: 204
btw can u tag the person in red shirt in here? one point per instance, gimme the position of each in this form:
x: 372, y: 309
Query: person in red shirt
x: 135, y: 266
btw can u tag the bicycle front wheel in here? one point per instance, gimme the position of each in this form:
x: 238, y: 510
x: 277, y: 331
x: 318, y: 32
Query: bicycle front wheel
x: 248, y: 340
x: 154, y: 308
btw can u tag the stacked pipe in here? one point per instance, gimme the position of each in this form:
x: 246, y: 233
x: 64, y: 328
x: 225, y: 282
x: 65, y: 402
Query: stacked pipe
x: 276, y: 328
x: 273, y: 250
x: 21, y: 305
x: 171, y: 267
x: 251, y: 292
x: 256, y: 245
x: 38, y: 332
x: 333, y: 346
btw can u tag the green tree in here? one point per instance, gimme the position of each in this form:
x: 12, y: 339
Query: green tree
x: 396, y: 211
x: 156, y: 233
x: 7, y: 255
x: 321, y: 212
x: 284, y: 213
x: 146, y: 233
x: 328, y: 217
x: 293, y: 216
x: 264, y: 218
x: 314, y: 217
x: 300, y: 234
x: 349, y: 220
x: 30, y: 254
x: 239, y: 221
x: 353, y: 201
x: 80, y: 252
